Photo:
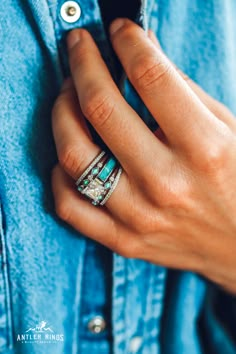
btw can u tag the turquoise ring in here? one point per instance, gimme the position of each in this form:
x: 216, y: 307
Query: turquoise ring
x: 100, y: 178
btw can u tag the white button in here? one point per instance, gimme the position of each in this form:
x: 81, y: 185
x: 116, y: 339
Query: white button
x: 135, y: 344
x: 97, y: 325
x: 70, y: 11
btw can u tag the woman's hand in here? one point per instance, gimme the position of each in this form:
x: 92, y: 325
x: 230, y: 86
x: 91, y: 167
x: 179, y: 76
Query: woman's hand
x: 175, y: 203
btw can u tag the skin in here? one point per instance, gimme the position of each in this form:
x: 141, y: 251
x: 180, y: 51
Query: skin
x: 175, y: 204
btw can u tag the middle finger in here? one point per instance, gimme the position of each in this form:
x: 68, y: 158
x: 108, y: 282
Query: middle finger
x: 185, y: 120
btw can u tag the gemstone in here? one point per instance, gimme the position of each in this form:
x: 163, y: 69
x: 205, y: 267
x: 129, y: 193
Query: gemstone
x: 86, y: 182
x: 107, y: 185
x: 94, y: 190
x: 107, y: 169
x: 100, y: 164
x: 90, y: 177
x: 94, y: 203
x: 80, y: 189
x: 95, y: 171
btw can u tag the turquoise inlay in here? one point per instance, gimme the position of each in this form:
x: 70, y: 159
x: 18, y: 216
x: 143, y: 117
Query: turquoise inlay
x: 107, y: 169
x: 95, y: 171
x: 107, y: 185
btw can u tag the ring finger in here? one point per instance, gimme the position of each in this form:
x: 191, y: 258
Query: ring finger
x: 75, y: 148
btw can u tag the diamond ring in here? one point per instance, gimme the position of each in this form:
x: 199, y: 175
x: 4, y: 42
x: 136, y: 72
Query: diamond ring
x: 100, y: 178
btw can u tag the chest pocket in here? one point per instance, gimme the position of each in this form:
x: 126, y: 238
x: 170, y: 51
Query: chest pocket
x: 6, y: 342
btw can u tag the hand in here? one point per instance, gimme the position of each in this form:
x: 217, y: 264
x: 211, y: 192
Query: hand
x: 175, y: 204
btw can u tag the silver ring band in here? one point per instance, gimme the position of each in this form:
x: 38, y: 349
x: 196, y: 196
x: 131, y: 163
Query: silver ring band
x: 100, y: 179
x: 90, y: 167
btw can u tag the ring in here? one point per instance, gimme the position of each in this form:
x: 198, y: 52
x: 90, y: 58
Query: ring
x: 100, y: 179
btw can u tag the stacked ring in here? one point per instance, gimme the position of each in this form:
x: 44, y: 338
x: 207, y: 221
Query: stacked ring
x: 100, y: 179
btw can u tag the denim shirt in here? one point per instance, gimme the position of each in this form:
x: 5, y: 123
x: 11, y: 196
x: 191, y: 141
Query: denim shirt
x: 52, y: 279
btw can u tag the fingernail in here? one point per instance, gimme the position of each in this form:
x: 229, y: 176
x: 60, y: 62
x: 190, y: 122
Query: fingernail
x: 72, y: 38
x: 116, y: 25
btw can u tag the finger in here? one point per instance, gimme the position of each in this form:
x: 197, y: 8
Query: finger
x: 179, y: 112
x: 75, y: 148
x: 94, y: 222
x: 102, y: 104
x: 217, y: 108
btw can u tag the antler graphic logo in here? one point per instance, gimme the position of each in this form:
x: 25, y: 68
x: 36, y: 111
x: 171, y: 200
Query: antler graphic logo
x: 40, y: 333
x: 40, y: 328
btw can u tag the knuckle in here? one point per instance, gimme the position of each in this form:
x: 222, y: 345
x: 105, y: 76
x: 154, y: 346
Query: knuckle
x: 173, y: 200
x: 215, y: 159
x: 98, y: 108
x: 147, y: 72
x: 72, y: 160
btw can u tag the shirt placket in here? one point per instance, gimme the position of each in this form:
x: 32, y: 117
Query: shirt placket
x: 93, y: 331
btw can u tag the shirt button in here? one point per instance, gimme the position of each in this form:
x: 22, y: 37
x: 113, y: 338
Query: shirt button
x: 70, y: 11
x: 97, y: 325
x: 135, y: 344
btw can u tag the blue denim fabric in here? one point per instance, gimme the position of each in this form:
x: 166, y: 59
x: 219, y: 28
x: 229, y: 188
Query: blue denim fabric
x: 43, y: 274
